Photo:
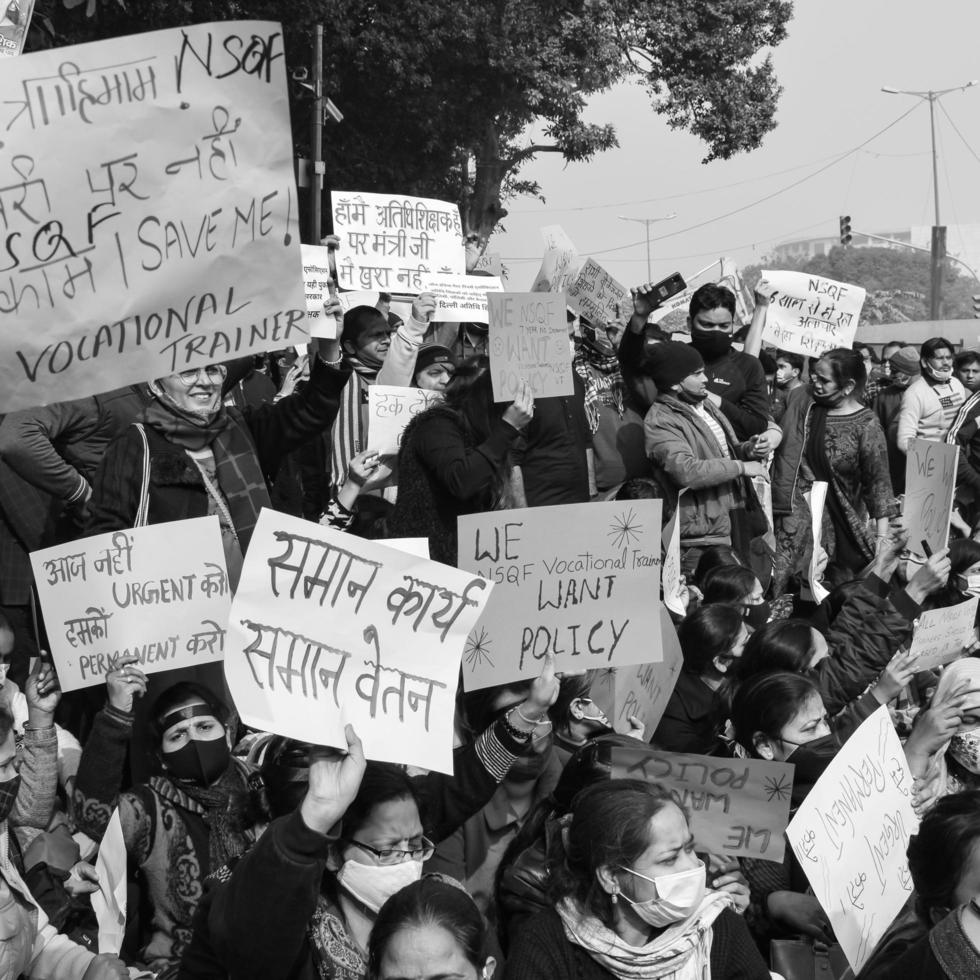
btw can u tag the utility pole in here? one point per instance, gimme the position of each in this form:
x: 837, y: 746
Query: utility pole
x: 646, y: 222
x: 938, y: 242
x: 316, y: 139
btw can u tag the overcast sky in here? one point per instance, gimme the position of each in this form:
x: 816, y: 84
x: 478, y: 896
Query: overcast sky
x: 832, y: 66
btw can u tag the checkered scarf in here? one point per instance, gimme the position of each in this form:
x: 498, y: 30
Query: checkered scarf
x: 603, y: 382
x: 240, y: 478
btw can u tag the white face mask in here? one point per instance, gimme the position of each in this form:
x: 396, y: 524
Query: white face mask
x: 374, y: 884
x: 678, y: 896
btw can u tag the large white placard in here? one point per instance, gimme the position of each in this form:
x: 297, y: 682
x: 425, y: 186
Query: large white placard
x: 581, y: 581
x: 941, y: 634
x: 390, y: 242
x: 328, y: 629
x: 560, y: 264
x: 810, y: 314
x: 159, y: 592
x: 148, y: 209
x: 851, y: 833
x: 461, y: 299
x: 390, y: 409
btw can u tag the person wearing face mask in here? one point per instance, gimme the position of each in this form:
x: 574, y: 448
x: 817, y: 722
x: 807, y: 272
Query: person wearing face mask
x: 632, y: 899
x: 904, y: 367
x: 831, y: 437
x: 736, y: 586
x: 190, y: 818
x: 930, y: 403
x: 735, y: 381
x: 712, y: 639
x: 692, y: 445
x: 575, y: 717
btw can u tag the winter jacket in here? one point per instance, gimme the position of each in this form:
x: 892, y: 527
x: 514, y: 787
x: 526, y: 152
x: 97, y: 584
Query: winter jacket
x: 786, y: 464
x: 921, y: 415
x: 887, y: 406
x: 684, y: 449
x: 177, y: 491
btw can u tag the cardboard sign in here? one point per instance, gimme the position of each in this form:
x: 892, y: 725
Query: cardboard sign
x: 316, y: 282
x: 644, y: 690
x: 941, y: 634
x: 597, y: 296
x: 810, y: 314
x: 851, y: 833
x: 461, y: 299
x: 160, y: 592
x: 580, y: 581
x: 930, y: 482
x: 328, y: 629
x: 560, y: 264
x: 529, y: 342
x: 391, y: 242
x: 738, y: 807
x: 490, y: 262
x: 148, y: 247
x: 390, y: 409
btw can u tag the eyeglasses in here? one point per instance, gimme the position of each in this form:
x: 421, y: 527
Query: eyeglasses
x: 213, y: 373
x: 421, y: 851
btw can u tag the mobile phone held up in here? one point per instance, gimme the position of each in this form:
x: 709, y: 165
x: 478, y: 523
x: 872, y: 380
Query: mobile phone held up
x: 668, y: 287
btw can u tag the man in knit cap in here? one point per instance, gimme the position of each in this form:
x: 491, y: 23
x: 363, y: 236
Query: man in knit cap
x: 693, y: 447
x: 903, y: 367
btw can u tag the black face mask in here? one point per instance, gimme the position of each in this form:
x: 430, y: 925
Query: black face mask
x: 8, y: 796
x: 811, y: 759
x: 831, y: 400
x: 199, y: 762
x: 711, y: 344
x: 755, y: 617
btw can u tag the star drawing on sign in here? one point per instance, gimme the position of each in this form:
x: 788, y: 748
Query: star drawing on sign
x: 777, y: 788
x: 477, y: 648
x: 625, y: 529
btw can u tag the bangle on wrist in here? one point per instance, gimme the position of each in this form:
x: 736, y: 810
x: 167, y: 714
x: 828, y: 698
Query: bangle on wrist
x: 515, y: 733
x: 529, y: 721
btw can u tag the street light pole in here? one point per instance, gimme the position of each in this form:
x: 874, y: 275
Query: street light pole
x: 647, y: 222
x: 938, y: 242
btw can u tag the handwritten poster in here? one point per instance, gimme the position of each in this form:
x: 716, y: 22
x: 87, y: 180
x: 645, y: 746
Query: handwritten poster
x: 529, y: 341
x: 328, y: 629
x: 597, y: 296
x: 316, y: 282
x: 581, y: 581
x: 930, y: 481
x: 810, y: 314
x: 560, y: 264
x: 390, y: 409
x: 461, y: 299
x: 490, y: 262
x: 670, y: 578
x: 941, y: 634
x: 851, y: 833
x: 392, y: 242
x: 159, y: 592
x: 136, y: 249
x: 738, y: 807
x: 641, y: 691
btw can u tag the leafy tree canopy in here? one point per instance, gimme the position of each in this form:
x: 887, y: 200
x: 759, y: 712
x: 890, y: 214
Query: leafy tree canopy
x: 439, y: 95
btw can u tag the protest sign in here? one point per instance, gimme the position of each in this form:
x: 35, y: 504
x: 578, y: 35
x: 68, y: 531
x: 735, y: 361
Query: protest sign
x: 930, y: 481
x: 529, y: 341
x: 146, y: 249
x: 461, y: 299
x: 597, y: 296
x: 159, y: 592
x: 941, y: 634
x: 390, y: 242
x: 14, y: 22
x: 816, y: 497
x: 560, y: 264
x: 329, y: 629
x: 641, y: 691
x: 670, y: 578
x: 316, y: 282
x: 390, y: 409
x: 850, y: 836
x: 490, y: 262
x: 109, y: 902
x: 738, y: 807
x: 581, y: 581
x: 810, y: 314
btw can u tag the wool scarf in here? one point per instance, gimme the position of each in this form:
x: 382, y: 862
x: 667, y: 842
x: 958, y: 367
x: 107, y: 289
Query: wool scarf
x: 348, y: 432
x: 603, y: 382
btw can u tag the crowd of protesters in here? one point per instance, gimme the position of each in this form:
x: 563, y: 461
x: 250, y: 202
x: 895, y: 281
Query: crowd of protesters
x: 252, y: 856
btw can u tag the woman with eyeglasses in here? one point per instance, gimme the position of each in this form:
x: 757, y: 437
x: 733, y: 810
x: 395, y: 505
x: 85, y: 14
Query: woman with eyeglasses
x: 632, y: 900
x: 345, y: 837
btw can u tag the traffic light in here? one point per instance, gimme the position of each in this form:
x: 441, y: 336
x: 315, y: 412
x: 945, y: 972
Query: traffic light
x: 845, y: 230
x: 976, y: 305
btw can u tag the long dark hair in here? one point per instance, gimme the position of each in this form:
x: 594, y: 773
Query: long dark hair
x: 785, y: 645
x: 767, y: 703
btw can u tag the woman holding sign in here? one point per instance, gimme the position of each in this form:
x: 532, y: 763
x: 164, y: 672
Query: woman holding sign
x: 632, y: 899
x: 455, y: 459
x: 830, y: 436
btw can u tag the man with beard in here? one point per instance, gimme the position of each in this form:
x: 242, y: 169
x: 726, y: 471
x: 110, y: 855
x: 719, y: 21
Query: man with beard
x: 736, y: 382
x: 694, y: 445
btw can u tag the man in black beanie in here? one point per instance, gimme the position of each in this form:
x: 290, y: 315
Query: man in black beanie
x: 693, y: 446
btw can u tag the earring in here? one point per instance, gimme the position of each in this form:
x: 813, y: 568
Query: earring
x: 614, y: 897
